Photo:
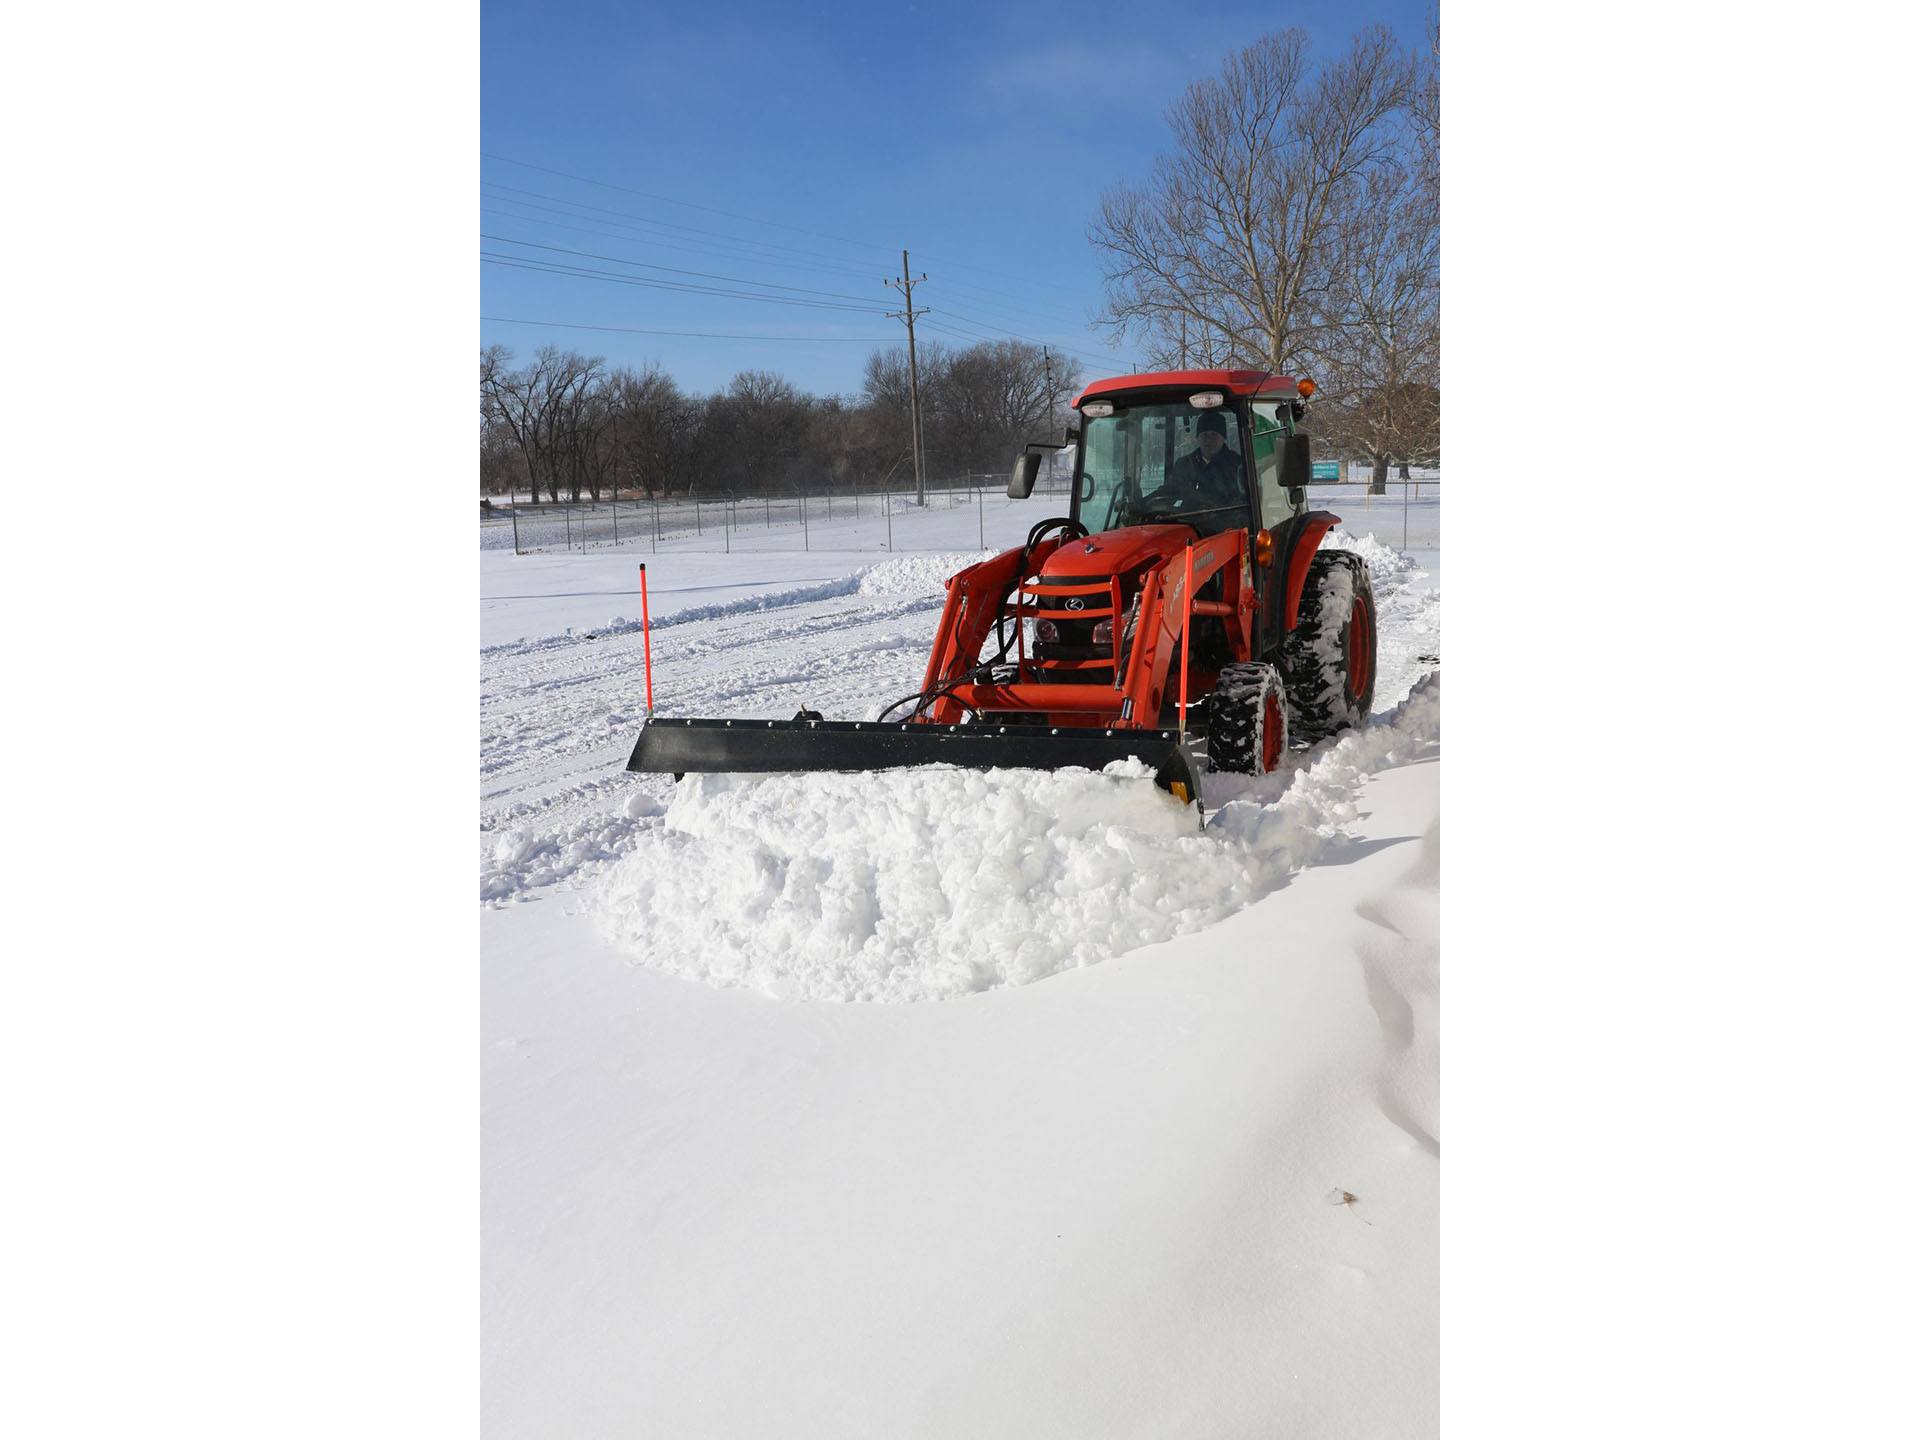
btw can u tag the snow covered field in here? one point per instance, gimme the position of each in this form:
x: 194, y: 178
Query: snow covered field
x: 1147, y: 1143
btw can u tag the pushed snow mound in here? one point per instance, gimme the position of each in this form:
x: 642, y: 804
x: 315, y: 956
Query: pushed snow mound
x: 919, y: 574
x: 1383, y: 561
x: 928, y: 884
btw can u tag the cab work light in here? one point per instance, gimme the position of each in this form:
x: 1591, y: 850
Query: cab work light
x: 1207, y: 400
x: 1097, y: 409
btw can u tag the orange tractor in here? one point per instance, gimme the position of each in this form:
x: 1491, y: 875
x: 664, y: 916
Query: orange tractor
x: 1181, y: 609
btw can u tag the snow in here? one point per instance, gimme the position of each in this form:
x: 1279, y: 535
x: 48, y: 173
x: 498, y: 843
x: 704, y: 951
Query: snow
x: 1150, y: 1149
x: 939, y: 882
x: 1097, y: 1206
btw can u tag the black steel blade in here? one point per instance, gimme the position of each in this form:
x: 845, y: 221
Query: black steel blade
x: 680, y: 746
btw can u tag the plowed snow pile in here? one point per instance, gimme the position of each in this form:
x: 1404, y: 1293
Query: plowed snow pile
x: 933, y: 883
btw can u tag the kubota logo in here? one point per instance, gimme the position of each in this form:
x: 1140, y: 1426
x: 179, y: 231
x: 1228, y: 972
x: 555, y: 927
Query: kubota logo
x: 1076, y: 603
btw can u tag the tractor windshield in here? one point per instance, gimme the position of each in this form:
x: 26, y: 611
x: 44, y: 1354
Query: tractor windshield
x: 1162, y: 462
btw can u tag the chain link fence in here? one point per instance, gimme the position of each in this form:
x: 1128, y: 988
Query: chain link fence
x: 536, y: 528
x: 720, y: 521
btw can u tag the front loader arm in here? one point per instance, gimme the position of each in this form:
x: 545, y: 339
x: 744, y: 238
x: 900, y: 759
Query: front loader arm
x: 975, y: 599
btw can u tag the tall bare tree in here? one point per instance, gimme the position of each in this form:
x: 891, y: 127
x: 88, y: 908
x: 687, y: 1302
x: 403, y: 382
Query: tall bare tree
x: 1382, y: 343
x: 1237, y: 232
x: 650, y: 433
x: 994, y: 396
x: 1382, y: 317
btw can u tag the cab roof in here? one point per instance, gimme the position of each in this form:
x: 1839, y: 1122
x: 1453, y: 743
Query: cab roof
x: 1239, y: 383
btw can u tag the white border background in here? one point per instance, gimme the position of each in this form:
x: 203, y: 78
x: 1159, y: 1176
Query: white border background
x: 242, y: 1138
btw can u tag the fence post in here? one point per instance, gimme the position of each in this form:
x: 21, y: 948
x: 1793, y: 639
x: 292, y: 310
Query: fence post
x: 616, y: 523
x: 569, y: 515
x: 656, y: 525
x: 806, y: 536
x: 767, y: 500
x: 981, y: 497
x: 516, y: 525
x: 726, y: 525
x: 1404, y: 492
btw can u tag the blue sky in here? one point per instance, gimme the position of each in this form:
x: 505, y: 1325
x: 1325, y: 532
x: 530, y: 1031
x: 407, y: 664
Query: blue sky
x: 978, y: 136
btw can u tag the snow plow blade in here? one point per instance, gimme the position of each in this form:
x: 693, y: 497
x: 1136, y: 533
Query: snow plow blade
x: 679, y: 747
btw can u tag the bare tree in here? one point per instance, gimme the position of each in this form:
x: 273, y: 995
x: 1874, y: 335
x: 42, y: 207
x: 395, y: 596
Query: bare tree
x: 650, y: 432
x: 507, y: 400
x: 548, y: 410
x: 888, y: 387
x: 563, y: 406
x: 1236, y: 234
x: 1382, y: 342
x: 994, y: 396
x: 1382, y: 317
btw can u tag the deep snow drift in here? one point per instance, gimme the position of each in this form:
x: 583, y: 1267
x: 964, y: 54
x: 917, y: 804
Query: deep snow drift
x: 559, y: 711
x: 1187, y: 1190
x: 931, y: 883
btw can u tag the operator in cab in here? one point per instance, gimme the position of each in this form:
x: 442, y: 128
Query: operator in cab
x: 1211, y: 476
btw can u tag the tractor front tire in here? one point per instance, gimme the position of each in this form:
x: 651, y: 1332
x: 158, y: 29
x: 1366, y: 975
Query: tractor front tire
x: 1247, y: 720
x: 1328, y: 657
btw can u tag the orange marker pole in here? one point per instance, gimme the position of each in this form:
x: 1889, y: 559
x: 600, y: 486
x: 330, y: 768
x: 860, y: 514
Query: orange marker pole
x: 646, y: 636
x: 1186, y: 627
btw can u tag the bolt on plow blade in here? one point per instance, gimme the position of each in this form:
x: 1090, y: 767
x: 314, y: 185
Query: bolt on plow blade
x: 679, y: 747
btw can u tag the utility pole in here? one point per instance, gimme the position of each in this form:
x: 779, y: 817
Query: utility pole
x: 905, y: 285
x: 1053, y: 406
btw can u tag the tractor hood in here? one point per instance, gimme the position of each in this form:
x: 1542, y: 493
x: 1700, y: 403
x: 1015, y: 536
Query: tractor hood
x: 1114, y: 552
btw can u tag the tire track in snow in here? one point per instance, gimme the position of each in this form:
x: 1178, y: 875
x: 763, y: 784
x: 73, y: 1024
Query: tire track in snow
x: 559, y: 716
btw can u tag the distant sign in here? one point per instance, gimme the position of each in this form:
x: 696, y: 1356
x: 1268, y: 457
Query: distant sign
x: 1326, y: 469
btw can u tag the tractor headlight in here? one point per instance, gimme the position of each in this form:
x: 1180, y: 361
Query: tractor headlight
x: 1103, y: 632
x: 1046, y: 631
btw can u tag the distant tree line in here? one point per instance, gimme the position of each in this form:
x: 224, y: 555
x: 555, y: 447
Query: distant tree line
x: 1296, y: 227
x: 567, y: 426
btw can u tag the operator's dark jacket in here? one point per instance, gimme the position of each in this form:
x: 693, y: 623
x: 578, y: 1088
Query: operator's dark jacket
x: 1220, y: 482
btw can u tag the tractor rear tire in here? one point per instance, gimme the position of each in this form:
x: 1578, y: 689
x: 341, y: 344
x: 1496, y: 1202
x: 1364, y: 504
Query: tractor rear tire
x: 1328, y: 657
x: 1247, y: 720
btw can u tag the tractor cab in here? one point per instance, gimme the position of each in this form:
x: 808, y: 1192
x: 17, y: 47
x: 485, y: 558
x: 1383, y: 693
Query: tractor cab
x: 1207, y: 449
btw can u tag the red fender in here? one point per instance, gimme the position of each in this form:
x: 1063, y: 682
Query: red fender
x: 1307, y: 531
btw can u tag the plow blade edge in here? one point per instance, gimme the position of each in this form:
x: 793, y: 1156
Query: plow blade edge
x: 679, y: 747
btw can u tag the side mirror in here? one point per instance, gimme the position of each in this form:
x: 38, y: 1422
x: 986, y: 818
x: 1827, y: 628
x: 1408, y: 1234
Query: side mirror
x: 1296, y: 465
x: 1027, y: 468
x: 1025, y: 471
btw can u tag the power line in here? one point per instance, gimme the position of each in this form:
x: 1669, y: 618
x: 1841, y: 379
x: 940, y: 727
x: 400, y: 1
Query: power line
x: 669, y: 224
x: 760, y: 244
x: 620, y: 232
x: 840, y: 265
x: 583, y: 272
x: 670, y: 269
x: 693, y: 334
x: 735, y: 215
x: 616, y: 231
x: 687, y: 204
x: 948, y: 317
